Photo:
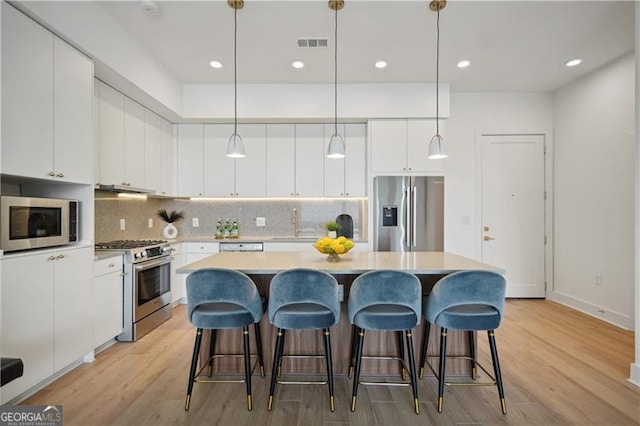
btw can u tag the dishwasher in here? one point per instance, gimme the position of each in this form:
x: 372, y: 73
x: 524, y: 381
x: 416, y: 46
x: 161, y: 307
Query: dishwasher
x: 228, y: 246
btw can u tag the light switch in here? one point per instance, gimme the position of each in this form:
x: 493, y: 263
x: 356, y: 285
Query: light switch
x: 261, y: 221
x: 122, y: 225
x: 150, y: 222
x: 195, y: 222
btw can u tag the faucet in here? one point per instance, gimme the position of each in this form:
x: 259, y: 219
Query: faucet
x: 294, y: 221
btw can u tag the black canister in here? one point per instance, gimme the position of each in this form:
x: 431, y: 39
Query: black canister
x: 345, y: 226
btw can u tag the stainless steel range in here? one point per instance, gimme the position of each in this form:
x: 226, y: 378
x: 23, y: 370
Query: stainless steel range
x: 147, y: 285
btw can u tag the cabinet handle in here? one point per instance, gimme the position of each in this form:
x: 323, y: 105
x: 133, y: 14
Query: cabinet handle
x: 236, y: 194
x: 60, y: 175
x: 111, y: 265
x: 231, y: 193
x: 347, y: 194
x: 410, y: 168
x: 60, y: 256
x: 404, y: 168
x: 292, y: 194
x: 51, y: 174
x: 51, y: 258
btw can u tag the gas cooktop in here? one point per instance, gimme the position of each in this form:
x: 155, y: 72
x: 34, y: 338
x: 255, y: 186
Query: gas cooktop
x: 127, y: 244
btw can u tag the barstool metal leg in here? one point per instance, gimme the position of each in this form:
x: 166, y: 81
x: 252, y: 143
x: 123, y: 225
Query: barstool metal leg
x: 194, y: 365
x: 276, y: 363
x: 425, y: 346
x: 496, y: 369
x: 441, y: 369
x: 356, y: 376
x: 400, y: 338
x: 352, y: 351
x: 247, y: 365
x: 472, y: 354
x: 212, y: 348
x: 412, y: 370
x: 327, y: 352
x: 256, y: 327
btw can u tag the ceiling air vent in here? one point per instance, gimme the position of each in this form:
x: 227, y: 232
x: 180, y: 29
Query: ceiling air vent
x: 312, y: 43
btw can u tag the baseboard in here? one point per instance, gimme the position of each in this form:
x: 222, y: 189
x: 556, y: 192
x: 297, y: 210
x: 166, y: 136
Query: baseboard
x: 634, y: 376
x: 612, y: 317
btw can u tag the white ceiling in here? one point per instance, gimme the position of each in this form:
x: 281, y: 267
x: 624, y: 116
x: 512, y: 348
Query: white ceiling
x: 512, y: 45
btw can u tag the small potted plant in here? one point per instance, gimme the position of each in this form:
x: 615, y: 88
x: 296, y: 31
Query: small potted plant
x: 170, y: 231
x: 332, y: 229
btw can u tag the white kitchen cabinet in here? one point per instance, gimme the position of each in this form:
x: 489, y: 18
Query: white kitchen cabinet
x: 111, y: 117
x: 96, y: 130
x: 309, y: 154
x: 401, y: 146
x: 134, y: 152
x: 346, y: 176
x: 190, y: 160
x: 46, y: 312
x: 107, y: 299
x: 166, y: 163
x: 250, y: 171
x: 280, y: 160
x: 178, y: 291
x: 152, y: 149
x: 46, y: 103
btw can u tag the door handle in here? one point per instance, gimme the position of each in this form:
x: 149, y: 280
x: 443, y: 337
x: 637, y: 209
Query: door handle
x: 488, y: 238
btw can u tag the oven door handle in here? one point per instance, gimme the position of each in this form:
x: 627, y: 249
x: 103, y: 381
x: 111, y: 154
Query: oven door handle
x: 148, y: 265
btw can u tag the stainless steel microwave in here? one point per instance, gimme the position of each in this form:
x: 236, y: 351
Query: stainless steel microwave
x: 29, y: 222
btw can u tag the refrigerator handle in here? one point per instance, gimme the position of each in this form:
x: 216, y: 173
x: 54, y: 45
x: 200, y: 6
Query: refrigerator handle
x: 414, y: 202
x: 407, y: 217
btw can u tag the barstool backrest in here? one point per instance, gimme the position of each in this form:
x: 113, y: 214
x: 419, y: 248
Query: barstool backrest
x: 466, y: 288
x: 385, y: 287
x: 222, y: 285
x: 302, y: 285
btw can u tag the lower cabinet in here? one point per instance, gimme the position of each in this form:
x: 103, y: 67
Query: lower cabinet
x: 177, y: 280
x: 107, y: 299
x: 191, y: 252
x: 46, y: 313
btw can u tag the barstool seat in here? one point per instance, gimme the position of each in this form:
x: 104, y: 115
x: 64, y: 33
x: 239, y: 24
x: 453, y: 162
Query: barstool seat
x: 304, y: 316
x: 386, y: 317
x: 221, y: 315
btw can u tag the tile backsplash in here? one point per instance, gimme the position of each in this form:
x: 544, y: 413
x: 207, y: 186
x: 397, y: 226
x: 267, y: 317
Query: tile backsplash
x: 110, y: 209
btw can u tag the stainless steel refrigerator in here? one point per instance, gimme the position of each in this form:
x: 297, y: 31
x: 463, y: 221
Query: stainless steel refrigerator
x: 408, y: 213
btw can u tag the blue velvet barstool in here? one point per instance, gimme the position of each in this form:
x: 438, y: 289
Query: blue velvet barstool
x: 223, y: 299
x: 303, y: 299
x: 469, y: 301
x: 385, y: 301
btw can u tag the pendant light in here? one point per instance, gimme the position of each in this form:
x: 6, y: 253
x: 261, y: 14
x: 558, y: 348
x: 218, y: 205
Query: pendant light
x: 436, y: 146
x: 336, y: 143
x: 235, y: 146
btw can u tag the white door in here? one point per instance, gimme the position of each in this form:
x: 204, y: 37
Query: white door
x: 513, y: 210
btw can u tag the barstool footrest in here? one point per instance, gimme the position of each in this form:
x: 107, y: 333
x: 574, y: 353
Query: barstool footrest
x: 493, y: 381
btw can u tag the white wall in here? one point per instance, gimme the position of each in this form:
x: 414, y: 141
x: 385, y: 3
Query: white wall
x: 472, y: 114
x: 594, y: 193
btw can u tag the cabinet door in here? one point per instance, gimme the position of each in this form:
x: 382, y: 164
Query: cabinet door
x: 355, y: 174
x: 152, y: 150
x: 280, y: 160
x: 309, y: 160
x: 111, y: 136
x: 219, y: 170
x: 27, y: 96
x: 166, y: 168
x: 177, y: 280
x: 27, y: 319
x: 419, y: 134
x: 251, y: 174
x: 133, y: 143
x: 388, y: 141
x: 96, y: 131
x: 73, y: 98
x: 334, y: 168
x: 107, y: 300
x: 190, y: 161
x: 73, y: 302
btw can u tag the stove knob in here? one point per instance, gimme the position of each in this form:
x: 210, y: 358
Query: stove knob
x: 137, y: 255
x: 143, y: 254
x: 165, y: 249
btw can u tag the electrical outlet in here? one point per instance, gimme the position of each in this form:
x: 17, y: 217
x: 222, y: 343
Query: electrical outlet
x: 597, y: 279
x: 122, y: 225
x: 195, y: 222
x: 341, y: 292
x: 150, y: 223
x: 261, y: 221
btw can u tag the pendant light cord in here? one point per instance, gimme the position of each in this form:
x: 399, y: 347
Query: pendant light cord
x: 437, y: 71
x: 235, y: 71
x: 335, y: 75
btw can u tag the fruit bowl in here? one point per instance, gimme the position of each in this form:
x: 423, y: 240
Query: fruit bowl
x: 334, y: 247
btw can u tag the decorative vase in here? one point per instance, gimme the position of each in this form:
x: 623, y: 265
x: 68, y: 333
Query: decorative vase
x: 333, y: 257
x: 170, y: 231
x: 332, y: 234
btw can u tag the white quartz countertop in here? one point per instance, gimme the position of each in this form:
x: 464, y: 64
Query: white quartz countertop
x: 245, y: 239
x: 350, y: 263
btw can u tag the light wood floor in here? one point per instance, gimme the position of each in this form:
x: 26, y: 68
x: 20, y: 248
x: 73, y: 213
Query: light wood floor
x: 559, y: 367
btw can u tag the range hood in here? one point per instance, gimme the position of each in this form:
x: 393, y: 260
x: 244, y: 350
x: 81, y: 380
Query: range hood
x: 124, y: 189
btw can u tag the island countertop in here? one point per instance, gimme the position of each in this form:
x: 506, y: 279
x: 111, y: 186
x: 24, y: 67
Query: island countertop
x: 350, y: 263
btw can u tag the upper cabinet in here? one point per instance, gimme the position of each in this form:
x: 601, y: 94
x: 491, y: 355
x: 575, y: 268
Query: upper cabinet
x: 346, y: 176
x: 280, y: 160
x: 309, y: 160
x: 135, y: 144
x: 401, y: 146
x: 47, y: 91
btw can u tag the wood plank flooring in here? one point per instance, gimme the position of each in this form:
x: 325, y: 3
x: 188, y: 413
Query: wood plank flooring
x: 560, y: 367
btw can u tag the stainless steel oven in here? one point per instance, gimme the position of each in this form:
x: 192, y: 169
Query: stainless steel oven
x: 147, y: 285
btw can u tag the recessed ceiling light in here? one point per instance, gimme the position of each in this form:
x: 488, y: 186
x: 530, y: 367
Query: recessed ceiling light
x: 573, y: 62
x: 464, y: 64
x: 381, y: 64
x: 298, y: 64
x: 215, y: 64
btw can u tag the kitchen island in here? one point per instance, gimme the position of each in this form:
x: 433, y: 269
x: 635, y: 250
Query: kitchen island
x: 429, y: 267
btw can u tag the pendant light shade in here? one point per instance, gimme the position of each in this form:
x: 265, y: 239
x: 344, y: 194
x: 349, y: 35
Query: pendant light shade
x: 336, y: 147
x: 235, y: 145
x: 436, y: 146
